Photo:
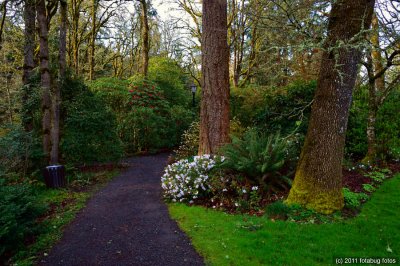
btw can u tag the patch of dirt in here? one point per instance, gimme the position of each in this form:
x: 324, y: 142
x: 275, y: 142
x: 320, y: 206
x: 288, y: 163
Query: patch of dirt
x: 354, y: 180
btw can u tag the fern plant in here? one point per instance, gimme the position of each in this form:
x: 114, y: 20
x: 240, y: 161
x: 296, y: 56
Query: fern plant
x: 259, y: 157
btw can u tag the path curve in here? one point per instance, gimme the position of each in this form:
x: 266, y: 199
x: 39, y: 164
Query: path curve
x: 126, y: 223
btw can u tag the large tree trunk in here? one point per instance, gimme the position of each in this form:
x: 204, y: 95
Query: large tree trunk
x: 145, y: 37
x: 29, y: 62
x: 376, y: 86
x: 55, y: 129
x: 214, y: 114
x: 318, y: 180
x: 45, y: 76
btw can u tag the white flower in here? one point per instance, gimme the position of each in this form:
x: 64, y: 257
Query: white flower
x: 254, y: 188
x: 244, y: 191
x: 236, y: 204
x: 224, y: 190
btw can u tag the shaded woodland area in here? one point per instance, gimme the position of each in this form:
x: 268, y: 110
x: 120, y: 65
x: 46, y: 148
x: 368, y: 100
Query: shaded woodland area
x: 262, y: 101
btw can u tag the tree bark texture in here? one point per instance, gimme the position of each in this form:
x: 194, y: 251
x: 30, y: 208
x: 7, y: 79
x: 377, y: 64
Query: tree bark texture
x: 45, y: 76
x: 318, y: 180
x: 92, y: 39
x: 145, y: 37
x: 3, y: 8
x: 56, y: 102
x: 29, y: 61
x: 214, y: 114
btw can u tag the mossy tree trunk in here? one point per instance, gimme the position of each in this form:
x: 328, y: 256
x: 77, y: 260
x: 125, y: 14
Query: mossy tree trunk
x: 29, y: 61
x: 145, y: 37
x: 214, y: 114
x: 318, y: 180
x: 376, y: 88
x: 45, y: 76
x: 93, y: 34
x: 56, y: 101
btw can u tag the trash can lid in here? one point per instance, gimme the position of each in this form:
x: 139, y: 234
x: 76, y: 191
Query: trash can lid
x: 53, y: 166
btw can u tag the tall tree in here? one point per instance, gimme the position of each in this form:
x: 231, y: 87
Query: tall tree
x: 318, y: 180
x: 378, y: 88
x: 214, y: 114
x: 144, y: 23
x: 29, y: 48
x: 92, y: 39
x: 56, y: 99
x: 45, y: 77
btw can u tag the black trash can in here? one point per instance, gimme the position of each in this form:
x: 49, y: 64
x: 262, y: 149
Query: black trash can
x: 54, y: 176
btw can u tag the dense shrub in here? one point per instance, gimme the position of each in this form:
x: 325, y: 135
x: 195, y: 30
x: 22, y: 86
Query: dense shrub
x: 200, y: 179
x: 188, y: 180
x: 190, y: 142
x: 259, y: 157
x: 356, y: 135
x: 89, y: 133
x: 286, y: 109
x: 151, y: 122
x: 143, y: 130
x: 387, y: 126
x: 171, y: 79
x: 18, y: 212
x: 16, y: 150
x: 114, y: 93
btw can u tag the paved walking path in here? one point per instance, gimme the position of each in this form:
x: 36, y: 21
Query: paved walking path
x: 126, y: 223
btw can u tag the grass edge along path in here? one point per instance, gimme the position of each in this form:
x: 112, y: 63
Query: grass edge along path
x: 66, y: 205
x: 225, y: 239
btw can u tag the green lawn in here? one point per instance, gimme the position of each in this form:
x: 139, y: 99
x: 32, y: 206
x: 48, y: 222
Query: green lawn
x: 225, y: 239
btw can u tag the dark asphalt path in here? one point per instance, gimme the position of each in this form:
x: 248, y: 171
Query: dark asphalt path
x: 126, y: 223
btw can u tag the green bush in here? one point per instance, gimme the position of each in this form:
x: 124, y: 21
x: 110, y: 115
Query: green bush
x: 356, y: 135
x: 353, y: 199
x: 143, y: 130
x: 15, y: 150
x: 190, y: 142
x: 18, y: 213
x: 387, y: 126
x: 179, y: 119
x: 286, y: 109
x: 89, y: 133
x: 172, y: 80
x: 259, y: 157
x: 114, y: 93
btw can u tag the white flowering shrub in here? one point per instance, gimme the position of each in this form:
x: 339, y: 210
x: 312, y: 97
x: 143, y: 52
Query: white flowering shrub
x: 187, y: 180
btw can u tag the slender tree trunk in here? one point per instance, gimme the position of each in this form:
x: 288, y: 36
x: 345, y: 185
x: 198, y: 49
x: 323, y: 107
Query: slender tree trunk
x: 75, y: 10
x: 55, y: 129
x: 29, y: 62
x: 3, y: 8
x: 92, y: 40
x: 375, y: 87
x: 214, y: 114
x: 145, y: 38
x: 45, y: 76
x: 318, y: 180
